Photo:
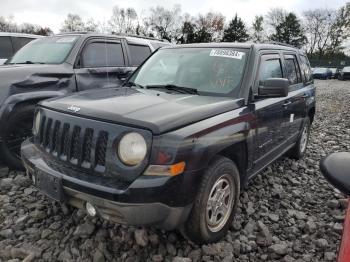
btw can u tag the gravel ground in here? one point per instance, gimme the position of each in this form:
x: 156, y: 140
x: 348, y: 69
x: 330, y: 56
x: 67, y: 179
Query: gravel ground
x: 288, y: 213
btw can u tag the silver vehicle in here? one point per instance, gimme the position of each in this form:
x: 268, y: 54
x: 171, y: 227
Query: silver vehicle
x: 10, y: 43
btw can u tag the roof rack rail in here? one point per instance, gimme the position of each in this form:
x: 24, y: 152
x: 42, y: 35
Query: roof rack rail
x: 280, y: 43
x: 74, y: 33
x: 144, y: 37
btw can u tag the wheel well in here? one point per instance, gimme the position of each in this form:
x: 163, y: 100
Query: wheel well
x: 28, y: 102
x: 311, y: 114
x: 238, y: 154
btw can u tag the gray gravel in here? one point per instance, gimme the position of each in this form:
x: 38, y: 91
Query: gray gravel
x: 288, y: 213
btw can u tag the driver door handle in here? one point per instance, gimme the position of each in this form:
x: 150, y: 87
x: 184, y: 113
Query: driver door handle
x: 287, y: 103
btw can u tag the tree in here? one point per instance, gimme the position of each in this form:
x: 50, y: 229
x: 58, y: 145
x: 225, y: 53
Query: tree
x: 209, y: 27
x: 236, y: 31
x: 123, y: 20
x: 91, y: 26
x: 257, y: 35
x: 165, y: 23
x: 188, y: 31
x: 73, y: 23
x: 289, y: 31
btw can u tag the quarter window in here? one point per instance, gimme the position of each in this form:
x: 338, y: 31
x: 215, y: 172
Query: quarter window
x: 138, y: 54
x: 305, y: 68
x: 103, y: 54
x: 292, y: 69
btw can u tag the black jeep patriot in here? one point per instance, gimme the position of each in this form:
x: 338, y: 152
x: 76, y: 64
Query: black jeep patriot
x: 59, y: 65
x: 176, y: 144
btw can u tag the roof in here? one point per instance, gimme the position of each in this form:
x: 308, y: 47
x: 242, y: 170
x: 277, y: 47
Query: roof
x: 126, y: 36
x: 246, y: 45
x: 20, y: 35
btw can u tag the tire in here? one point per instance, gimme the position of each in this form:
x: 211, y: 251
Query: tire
x: 299, y: 150
x: 18, y: 128
x: 199, y: 228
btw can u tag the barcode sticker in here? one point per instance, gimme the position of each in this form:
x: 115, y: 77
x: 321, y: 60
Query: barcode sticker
x: 226, y: 53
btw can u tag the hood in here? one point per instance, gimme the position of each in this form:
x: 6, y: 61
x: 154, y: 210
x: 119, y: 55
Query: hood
x: 151, y: 109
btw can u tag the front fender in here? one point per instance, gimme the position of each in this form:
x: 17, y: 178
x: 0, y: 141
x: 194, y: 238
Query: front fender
x: 13, y: 100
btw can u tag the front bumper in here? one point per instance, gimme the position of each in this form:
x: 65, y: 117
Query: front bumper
x: 121, y: 205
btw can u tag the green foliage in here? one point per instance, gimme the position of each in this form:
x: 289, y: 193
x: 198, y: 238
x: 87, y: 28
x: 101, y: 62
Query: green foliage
x: 236, y: 31
x: 289, y: 31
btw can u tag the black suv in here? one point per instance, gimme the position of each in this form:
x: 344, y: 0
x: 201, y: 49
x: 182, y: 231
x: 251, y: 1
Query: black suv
x: 56, y: 66
x: 174, y: 147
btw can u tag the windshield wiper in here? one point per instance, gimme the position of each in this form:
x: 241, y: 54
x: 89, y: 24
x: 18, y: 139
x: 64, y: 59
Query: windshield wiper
x: 180, y: 89
x: 129, y: 84
x: 28, y: 62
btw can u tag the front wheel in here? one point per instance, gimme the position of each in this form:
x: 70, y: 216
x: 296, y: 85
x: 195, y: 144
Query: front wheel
x: 215, y: 203
x: 17, y: 128
x: 299, y: 150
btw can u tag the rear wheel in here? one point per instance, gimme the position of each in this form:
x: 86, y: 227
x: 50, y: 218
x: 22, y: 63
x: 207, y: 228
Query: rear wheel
x: 215, y: 202
x: 299, y: 150
x: 17, y: 128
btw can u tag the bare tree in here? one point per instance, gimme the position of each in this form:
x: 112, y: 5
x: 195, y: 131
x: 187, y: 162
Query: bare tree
x: 123, y: 20
x: 165, y: 23
x: 210, y: 27
x: 257, y: 30
x: 72, y: 23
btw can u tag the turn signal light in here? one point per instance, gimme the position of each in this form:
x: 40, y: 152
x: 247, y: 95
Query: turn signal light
x: 166, y: 170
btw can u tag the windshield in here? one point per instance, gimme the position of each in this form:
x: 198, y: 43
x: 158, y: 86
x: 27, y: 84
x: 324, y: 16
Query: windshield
x: 320, y: 70
x: 49, y: 50
x: 212, y: 71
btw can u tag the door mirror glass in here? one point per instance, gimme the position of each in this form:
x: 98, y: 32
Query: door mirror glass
x: 336, y: 169
x: 273, y: 87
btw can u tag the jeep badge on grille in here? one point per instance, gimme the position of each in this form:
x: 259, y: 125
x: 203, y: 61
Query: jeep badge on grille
x: 74, y: 108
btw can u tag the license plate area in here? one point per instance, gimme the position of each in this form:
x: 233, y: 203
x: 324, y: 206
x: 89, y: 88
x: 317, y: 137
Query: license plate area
x: 50, y: 185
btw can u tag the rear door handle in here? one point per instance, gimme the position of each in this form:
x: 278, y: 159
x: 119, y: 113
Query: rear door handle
x: 304, y: 96
x: 287, y: 103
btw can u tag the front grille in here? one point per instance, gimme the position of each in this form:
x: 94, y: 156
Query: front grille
x: 80, y: 146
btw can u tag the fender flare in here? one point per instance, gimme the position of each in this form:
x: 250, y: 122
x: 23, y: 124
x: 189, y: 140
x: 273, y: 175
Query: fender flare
x: 10, y: 103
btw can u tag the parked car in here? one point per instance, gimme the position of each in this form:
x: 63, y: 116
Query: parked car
x: 56, y: 66
x: 335, y: 72
x: 174, y: 147
x: 10, y: 43
x: 345, y: 73
x: 322, y: 73
x: 336, y: 169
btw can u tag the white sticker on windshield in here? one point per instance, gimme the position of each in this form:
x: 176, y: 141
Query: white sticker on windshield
x: 226, y: 53
x: 66, y: 39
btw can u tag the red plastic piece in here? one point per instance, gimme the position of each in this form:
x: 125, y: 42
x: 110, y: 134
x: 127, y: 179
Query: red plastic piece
x: 344, y: 252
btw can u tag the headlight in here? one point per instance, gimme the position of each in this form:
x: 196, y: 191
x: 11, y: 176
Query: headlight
x: 132, y: 149
x: 36, y: 124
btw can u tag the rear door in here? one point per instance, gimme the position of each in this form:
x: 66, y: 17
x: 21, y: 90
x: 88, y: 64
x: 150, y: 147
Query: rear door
x: 101, y: 64
x: 269, y: 111
x: 6, y: 49
x: 295, y: 105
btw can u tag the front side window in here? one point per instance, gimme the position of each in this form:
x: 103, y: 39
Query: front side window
x: 48, y: 50
x: 5, y: 47
x: 216, y: 71
x: 270, y: 68
x: 292, y: 69
x: 138, y: 54
x: 103, y: 54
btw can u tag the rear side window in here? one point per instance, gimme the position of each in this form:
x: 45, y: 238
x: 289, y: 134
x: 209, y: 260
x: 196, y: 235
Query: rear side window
x: 305, y: 68
x: 138, y: 54
x: 19, y: 42
x: 292, y: 69
x: 103, y: 54
x: 270, y: 68
x: 6, y: 50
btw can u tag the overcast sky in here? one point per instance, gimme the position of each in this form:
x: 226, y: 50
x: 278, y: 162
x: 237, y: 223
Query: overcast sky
x: 52, y: 12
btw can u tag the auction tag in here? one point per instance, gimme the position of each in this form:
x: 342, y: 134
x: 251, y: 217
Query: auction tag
x: 66, y: 39
x: 228, y: 53
x: 291, y: 118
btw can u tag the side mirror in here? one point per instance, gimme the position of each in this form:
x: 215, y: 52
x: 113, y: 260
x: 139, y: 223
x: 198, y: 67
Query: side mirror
x: 336, y: 169
x: 274, y: 87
